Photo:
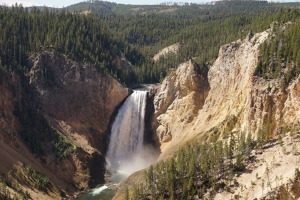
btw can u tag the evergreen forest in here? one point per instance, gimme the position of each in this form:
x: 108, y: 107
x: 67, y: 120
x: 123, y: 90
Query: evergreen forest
x: 100, y: 37
x: 280, y: 54
x: 200, y: 170
x: 101, y: 34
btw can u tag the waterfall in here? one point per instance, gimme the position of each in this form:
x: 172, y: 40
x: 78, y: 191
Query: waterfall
x: 125, y: 150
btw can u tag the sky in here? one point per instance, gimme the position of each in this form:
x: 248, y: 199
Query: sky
x: 64, y: 3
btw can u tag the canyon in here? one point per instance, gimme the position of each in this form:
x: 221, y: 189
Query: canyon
x: 195, y: 104
x: 229, y: 97
x: 75, y: 102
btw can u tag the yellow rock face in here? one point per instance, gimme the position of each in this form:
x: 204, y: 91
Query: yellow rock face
x: 190, y: 104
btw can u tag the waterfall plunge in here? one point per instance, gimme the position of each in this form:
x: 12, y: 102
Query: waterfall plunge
x: 126, y: 153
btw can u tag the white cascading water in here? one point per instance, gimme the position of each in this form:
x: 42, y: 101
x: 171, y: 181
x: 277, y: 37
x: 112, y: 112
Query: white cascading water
x: 125, y: 150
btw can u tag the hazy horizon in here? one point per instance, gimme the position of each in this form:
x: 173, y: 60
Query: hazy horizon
x: 60, y: 4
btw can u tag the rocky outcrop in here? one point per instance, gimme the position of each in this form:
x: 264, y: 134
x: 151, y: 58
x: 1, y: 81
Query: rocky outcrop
x: 231, y: 98
x: 168, y: 50
x: 77, y: 100
x: 178, y: 101
x: 291, y: 107
x: 16, y: 109
x: 192, y: 106
x: 57, y: 120
x: 223, y: 100
x: 266, y: 106
x: 276, y: 166
x: 75, y: 93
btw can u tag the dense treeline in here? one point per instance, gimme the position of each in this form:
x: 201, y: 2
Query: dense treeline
x: 100, y: 40
x: 280, y: 55
x: 197, y: 170
x: 200, y: 31
x: 159, y: 31
x: 84, y: 38
x: 200, y: 171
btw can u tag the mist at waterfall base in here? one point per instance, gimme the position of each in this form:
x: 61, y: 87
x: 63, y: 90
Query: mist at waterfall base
x: 138, y: 161
x: 127, y: 152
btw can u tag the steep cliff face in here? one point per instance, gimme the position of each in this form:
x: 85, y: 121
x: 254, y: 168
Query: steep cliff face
x: 291, y: 107
x: 78, y: 101
x: 266, y: 107
x: 230, y: 79
x: 193, y: 106
x: 178, y: 101
x: 230, y: 99
x: 56, y: 120
x: 10, y: 89
x: 75, y: 95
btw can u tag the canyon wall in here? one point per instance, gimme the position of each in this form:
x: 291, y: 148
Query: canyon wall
x: 230, y: 98
x: 76, y: 96
x: 56, y: 120
x: 181, y: 95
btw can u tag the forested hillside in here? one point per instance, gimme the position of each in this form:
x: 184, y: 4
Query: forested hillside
x: 203, y: 170
x: 197, y: 169
x: 103, y: 38
x: 199, y: 29
x: 48, y: 47
x: 280, y: 55
x: 54, y: 99
x: 83, y: 38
